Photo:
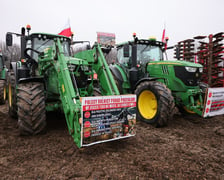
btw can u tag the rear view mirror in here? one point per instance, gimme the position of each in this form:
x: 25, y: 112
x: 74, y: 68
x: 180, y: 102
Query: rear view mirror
x: 9, y: 39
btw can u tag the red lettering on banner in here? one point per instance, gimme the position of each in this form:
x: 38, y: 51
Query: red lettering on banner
x: 109, y: 106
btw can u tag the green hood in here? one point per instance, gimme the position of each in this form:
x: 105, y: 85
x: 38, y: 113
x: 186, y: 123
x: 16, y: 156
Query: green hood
x: 177, y: 63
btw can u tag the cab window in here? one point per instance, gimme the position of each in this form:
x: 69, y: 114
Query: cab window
x: 120, y: 56
x: 147, y: 53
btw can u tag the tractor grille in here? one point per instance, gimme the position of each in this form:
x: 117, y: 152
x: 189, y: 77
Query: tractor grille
x: 188, y: 78
x: 165, y: 70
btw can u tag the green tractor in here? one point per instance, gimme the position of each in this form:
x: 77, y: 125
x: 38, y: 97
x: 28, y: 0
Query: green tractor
x: 159, y: 84
x: 48, y: 78
x: 3, y: 78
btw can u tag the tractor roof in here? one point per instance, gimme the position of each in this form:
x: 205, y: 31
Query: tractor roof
x: 49, y: 36
x: 143, y: 41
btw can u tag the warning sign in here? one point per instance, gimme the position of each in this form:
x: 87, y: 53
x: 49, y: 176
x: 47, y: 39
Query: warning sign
x: 107, y: 118
x: 214, y: 102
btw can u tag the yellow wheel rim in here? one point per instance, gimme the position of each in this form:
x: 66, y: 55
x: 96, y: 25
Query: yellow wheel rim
x: 4, y: 93
x: 10, y: 95
x: 147, y: 104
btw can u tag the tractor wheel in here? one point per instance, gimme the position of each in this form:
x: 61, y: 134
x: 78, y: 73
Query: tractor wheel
x: 12, y: 95
x: 155, y: 103
x: 31, y: 108
x: 2, y: 91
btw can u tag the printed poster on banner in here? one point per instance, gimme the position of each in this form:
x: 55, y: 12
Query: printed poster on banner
x: 214, y: 102
x: 107, y: 118
x: 106, y: 39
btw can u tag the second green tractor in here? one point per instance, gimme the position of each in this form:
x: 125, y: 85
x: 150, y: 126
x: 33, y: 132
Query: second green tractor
x: 160, y: 85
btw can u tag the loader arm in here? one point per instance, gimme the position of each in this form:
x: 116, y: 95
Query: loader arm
x: 69, y: 94
x: 95, y: 56
x: 70, y: 101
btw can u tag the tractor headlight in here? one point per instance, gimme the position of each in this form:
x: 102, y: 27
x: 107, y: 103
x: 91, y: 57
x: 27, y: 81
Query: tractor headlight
x: 191, y: 69
x: 201, y: 70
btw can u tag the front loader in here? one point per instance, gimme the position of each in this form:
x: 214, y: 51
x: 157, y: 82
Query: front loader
x: 3, y: 79
x: 159, y: 84
x: 47, y: 78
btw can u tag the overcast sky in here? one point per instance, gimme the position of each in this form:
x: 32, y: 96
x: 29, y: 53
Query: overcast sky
x: 183, y: 18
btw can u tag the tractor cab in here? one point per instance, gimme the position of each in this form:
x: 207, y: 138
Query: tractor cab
x: 133, y: 57
x: 34, y: 46
x: 146, y: 51
x: 38, y: 42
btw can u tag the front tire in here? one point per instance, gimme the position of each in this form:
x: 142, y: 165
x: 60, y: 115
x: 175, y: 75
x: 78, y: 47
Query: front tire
x: 31, y: 108
x: 155, y: 103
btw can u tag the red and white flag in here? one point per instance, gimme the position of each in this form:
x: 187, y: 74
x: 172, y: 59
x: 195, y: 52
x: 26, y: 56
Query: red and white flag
x: 163, y: 36
x: 66, y: 30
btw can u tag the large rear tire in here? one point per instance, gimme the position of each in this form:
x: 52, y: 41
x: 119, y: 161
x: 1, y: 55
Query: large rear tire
x: 2, y: 91
x: 12, y: 95
x: 31, y: 108
x: 155, y: 103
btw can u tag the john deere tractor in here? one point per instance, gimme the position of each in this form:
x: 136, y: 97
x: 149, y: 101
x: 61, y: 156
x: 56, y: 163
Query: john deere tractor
x: 159, y: 84
x: 47, y: 78
x: 3, y: 77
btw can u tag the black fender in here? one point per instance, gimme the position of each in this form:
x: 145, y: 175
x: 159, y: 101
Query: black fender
x: 116, y: 73
x: 118, y: 77
x: 146, y: 79
x: 31, y: 79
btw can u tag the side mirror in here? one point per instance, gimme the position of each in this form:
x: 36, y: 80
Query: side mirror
x: 126, y: 50
x: 9, y: 39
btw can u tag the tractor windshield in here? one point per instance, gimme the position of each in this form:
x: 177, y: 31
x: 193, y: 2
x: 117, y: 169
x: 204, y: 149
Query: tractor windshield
x: 40, y: 44
x: 146, y: 53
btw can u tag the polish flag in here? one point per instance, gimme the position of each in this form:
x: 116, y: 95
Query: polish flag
x: 163, y: 36
x: 66, y: 30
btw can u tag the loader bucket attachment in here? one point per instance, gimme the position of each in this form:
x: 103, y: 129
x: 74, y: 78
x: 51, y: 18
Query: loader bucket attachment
x: 214, y: 104
x: 107, y: 118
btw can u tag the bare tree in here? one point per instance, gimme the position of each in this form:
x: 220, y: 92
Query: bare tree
x: 11, y: 53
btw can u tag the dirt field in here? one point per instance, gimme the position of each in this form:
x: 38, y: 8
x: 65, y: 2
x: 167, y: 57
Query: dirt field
x: 186, y: 149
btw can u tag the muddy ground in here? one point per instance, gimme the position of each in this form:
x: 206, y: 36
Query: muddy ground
x: 190, y: 148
